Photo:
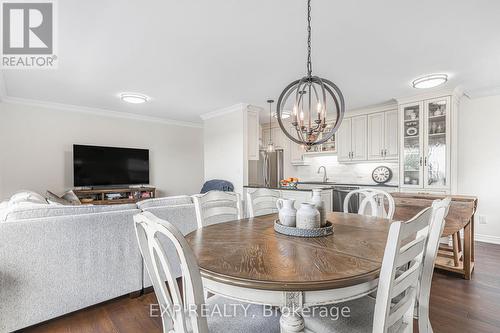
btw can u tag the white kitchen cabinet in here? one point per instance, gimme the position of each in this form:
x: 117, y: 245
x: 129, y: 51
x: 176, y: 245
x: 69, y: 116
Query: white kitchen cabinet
x: 253, y: 134
x: 391, y: 134
x: 352, y: 139
x: 359, y: 138
x: 344, y: 141
x: 376, y: 136
x: 426, y: 134
x: 278, y: 137
x: 382, y: 140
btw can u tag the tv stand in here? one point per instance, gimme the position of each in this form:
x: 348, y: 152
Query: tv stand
x: 114, y: 196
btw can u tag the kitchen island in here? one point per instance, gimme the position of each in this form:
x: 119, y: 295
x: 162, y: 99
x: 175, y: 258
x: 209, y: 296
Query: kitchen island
x: 300, y: 194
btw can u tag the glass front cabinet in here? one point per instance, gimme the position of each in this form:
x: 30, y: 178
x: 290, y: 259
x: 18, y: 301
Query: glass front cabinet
x: 425, y: 144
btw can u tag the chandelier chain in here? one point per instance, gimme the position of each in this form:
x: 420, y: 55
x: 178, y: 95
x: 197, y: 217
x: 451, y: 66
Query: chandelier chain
x: 309, y: 62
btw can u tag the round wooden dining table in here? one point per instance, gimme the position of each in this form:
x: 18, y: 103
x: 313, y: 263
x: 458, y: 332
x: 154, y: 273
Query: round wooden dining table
x: 248, y: 261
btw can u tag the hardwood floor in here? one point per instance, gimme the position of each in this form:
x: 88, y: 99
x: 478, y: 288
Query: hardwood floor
x: 457, y: 305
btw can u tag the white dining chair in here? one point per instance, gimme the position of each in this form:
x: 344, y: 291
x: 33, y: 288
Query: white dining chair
x: 440, y: 209
x: 364, y: 316
x: 184, y: 313
x: 262, y: 202
x: 372, y: 203
x: 393, y: 308
x: 216, y: 207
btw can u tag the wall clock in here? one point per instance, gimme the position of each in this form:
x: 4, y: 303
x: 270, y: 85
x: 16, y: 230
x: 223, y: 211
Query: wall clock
x: 381, y: 174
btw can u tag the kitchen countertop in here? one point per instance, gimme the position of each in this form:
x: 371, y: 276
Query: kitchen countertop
x: 326, y: 186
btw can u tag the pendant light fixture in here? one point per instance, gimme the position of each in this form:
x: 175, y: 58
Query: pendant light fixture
x: 315, y: 99
x: 270, y: 144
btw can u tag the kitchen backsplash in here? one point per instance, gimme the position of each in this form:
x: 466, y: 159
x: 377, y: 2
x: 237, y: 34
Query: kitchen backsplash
x: 357, y: 173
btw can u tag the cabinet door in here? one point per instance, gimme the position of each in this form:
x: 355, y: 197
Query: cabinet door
x: 376, y: 136
x: 278, y: 137
x: 359, y: 138
x: 391, y: 127
x: 344, y: 141
x: 437, y: 144
x: 253, y: 129
x: 265, y: 135
x: 296, y: 150
x: 412, y: 116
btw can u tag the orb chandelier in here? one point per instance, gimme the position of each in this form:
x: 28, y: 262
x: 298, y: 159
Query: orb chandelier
x: 315, y: 100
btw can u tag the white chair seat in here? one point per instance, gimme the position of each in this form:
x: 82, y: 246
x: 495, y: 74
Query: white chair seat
x: 254, y: 321
x: 359, y: 320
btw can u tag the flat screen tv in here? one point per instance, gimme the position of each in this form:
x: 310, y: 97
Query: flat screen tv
x: 110, y: 166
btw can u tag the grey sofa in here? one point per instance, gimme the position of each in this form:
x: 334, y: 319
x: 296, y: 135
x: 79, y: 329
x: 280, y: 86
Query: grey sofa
x: 58, y: 259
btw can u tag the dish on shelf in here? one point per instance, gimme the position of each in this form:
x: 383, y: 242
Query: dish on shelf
x: 411, y: 131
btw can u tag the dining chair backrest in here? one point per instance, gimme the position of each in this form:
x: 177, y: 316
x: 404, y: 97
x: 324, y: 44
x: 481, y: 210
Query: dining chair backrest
x: 149, y: 230
x: 262, y: 202
x: 217, y: 206
x: 374, y: 200
x: 397, y: 289
x: 440, y: 210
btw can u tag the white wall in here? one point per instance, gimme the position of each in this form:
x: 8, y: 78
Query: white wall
x: 225, y: 148
x: 36, y: 148
x: 479, y: 160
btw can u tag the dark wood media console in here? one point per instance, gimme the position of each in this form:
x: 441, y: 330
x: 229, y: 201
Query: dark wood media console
x: 114, y: 196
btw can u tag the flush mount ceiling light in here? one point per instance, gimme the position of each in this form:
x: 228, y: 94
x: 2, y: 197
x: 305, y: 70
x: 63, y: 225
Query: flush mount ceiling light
x: 312, y: 98
x: 430, y: 81
x: 134, y: 98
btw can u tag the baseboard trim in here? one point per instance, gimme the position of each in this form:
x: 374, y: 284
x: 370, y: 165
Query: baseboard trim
x: 487, y: 239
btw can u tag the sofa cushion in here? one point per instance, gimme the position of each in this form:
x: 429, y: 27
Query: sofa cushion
x: 33, y: 212
x: 165, y: 202
x: 27, y: 196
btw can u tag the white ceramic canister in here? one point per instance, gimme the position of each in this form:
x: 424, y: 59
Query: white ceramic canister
x: 308, y: 217
x: 287, y: 211
x: 319, y: 204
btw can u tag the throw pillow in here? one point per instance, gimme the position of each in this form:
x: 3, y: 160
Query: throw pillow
x: 53, y: 198
x: 71, y: 197
x: 28, y: 197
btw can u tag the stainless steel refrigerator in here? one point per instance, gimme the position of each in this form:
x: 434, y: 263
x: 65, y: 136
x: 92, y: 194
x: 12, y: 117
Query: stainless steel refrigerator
x: 268, y: 170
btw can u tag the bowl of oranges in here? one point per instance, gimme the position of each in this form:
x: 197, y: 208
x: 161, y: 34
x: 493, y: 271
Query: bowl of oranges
x: 289, y: 182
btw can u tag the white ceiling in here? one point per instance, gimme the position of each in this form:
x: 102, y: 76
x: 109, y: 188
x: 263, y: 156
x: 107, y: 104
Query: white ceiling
x: 197, y: 56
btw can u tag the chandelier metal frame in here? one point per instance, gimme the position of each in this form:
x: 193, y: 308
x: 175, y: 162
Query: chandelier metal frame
x: 309, y: 129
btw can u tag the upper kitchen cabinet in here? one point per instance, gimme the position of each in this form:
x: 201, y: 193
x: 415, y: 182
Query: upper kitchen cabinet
x: 427, y: 157
x: 352, y: 139
x: 383, y: 130
x: 253, y: 134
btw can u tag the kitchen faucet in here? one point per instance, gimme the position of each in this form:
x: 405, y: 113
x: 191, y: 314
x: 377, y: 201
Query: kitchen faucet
x: 325, y: 179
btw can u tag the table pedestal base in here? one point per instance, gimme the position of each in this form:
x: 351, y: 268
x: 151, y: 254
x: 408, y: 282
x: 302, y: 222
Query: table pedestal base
x: 291, y: 322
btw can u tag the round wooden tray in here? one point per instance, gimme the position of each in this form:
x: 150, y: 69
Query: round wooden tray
x: 298, y: 232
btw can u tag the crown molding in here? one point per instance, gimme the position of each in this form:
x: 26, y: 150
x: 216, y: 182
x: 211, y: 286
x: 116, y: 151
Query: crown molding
x: 97, y: 111
x: 220, y: 112
x: 478, y: 93
x: 382, y: 107
x: 456, y: 92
